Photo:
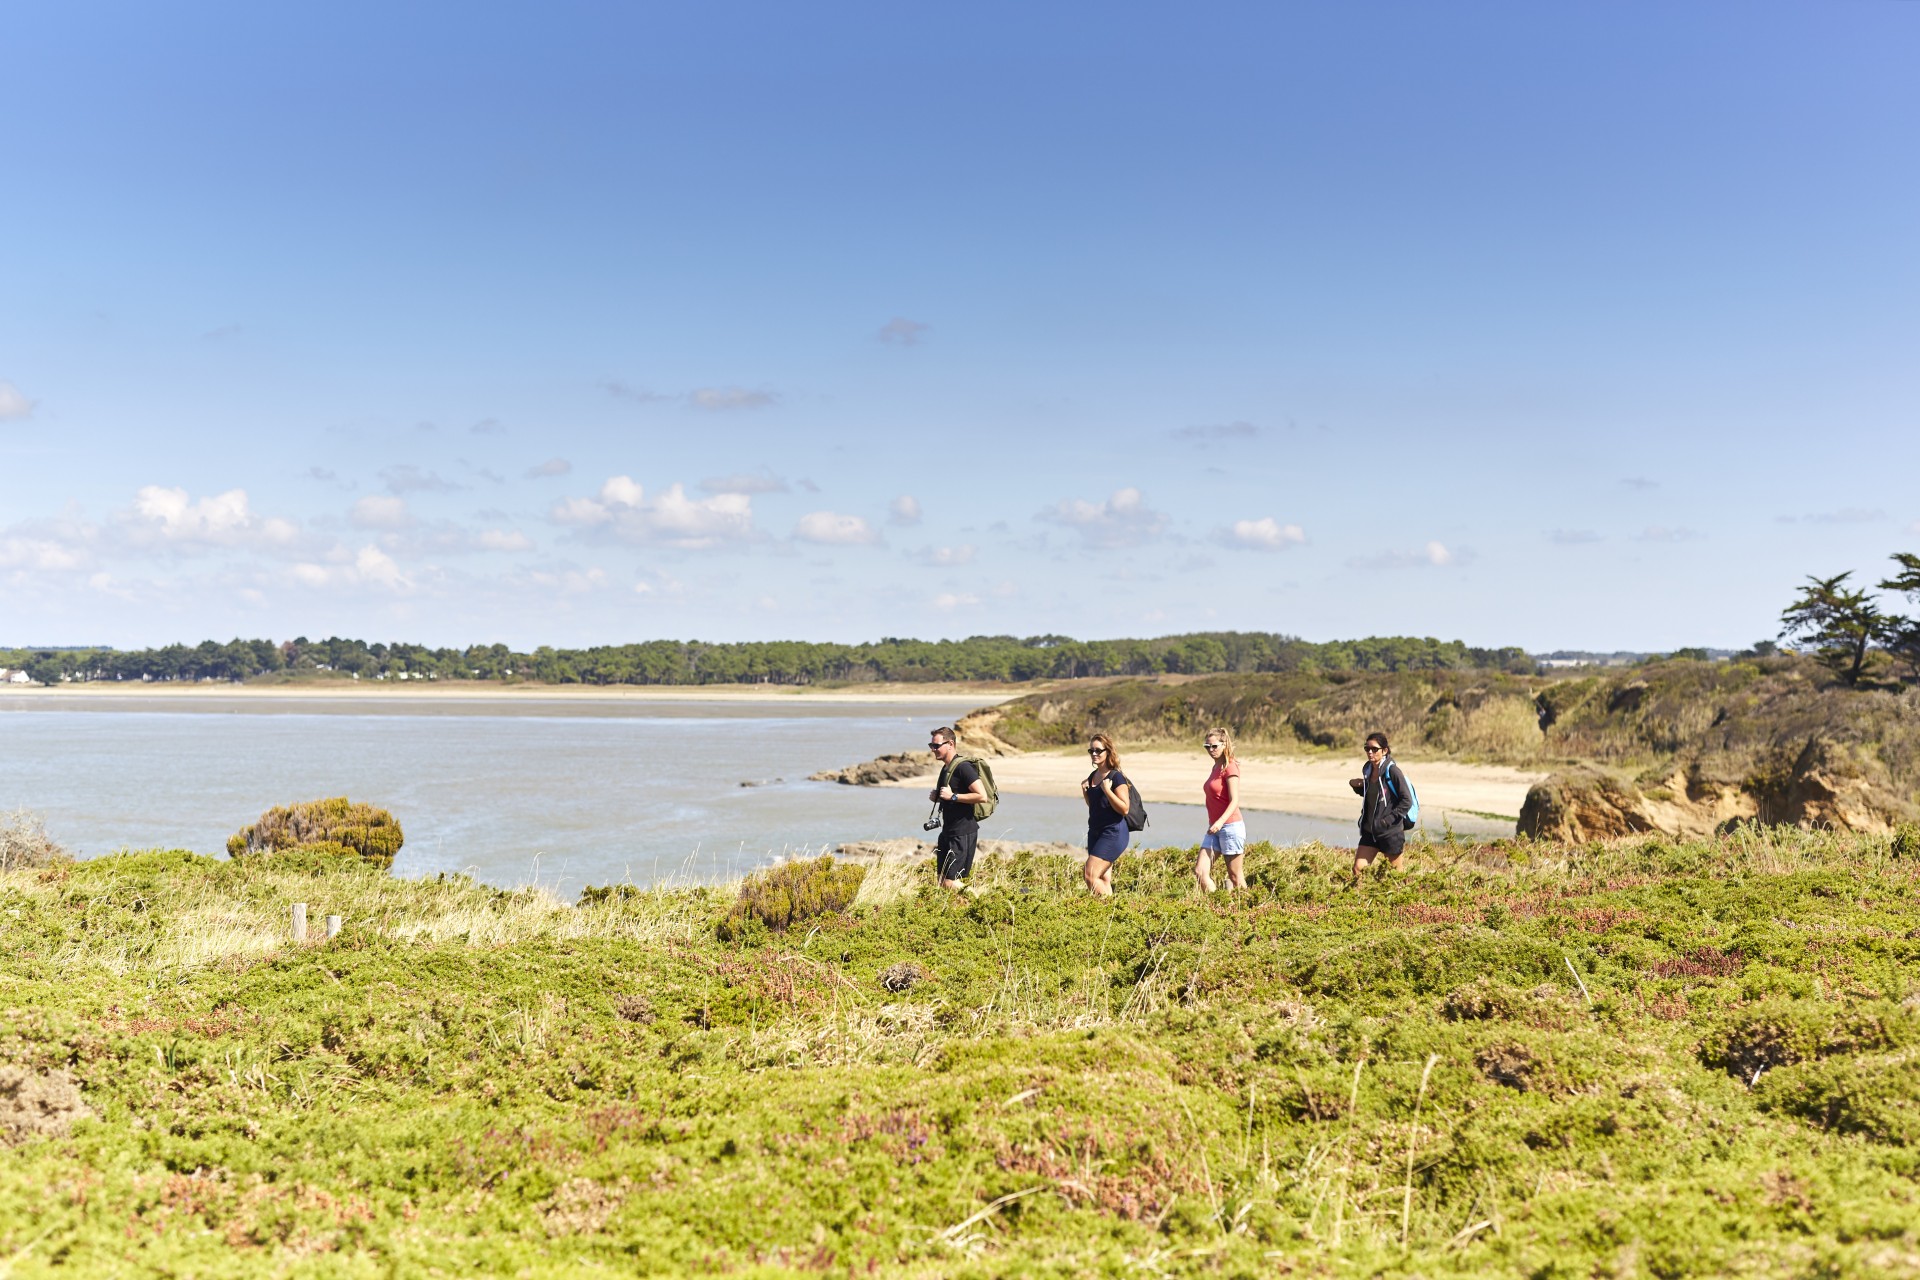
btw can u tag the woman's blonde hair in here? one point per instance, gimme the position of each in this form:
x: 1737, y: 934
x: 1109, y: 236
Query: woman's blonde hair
x: 1226, y: 742
x: 1113, y: 756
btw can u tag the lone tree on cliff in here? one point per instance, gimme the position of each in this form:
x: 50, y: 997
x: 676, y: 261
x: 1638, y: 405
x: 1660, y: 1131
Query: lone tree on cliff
x: 1902, y: 635
x: 1838, y: 621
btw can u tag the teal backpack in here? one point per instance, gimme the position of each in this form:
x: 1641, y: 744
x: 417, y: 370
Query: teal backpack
x: 1413, y: 810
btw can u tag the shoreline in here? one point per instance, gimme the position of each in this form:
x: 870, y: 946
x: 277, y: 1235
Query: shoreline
x: 1471, y: 797
x: 433, y: 691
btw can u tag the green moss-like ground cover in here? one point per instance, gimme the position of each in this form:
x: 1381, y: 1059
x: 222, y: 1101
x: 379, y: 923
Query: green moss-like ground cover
x: 1404, y: 1079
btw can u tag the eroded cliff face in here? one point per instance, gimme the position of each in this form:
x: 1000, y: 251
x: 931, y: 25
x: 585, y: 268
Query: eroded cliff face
x: 975, y: 732
x: 1819, y: 784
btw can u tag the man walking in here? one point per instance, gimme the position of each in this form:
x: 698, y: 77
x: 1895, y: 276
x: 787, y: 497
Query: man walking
x: 957, y: 790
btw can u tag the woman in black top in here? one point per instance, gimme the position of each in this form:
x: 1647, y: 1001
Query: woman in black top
x: 1108, y: 798
x: 1385, y: 798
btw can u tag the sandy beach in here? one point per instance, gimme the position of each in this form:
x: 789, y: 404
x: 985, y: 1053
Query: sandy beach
x: 424, y: 691
x: 1463, y: 794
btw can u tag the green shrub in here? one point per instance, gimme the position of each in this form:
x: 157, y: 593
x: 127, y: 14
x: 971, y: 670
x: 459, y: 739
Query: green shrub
x: 360, y: 829
x: 1906, y: 840
x: 790, y: 894
x: 1876, y: 1098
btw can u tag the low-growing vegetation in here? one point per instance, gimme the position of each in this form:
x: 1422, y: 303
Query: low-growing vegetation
x: 1645, y: 1057
x: 323, y: 828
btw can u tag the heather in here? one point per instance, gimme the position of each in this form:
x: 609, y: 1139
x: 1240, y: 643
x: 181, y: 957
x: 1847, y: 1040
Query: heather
x: 1643, y: 1057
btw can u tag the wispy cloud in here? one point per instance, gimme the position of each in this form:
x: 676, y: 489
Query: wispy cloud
x: 412, y: 479
x: 945, y: 557
x: 1846, y: 515
x: 327, y: 475
x: 830, y: 528
x: 621, y: 512
x: 1435, y: 555
x: 729, y: 399
x: 13, y: 402
x: 1264, y: 534
x: 488, y: 427
x: 381, y: 511
x: 1668, y: 533
x: 947, y: 601
x: 1573, y: 537
x: 1216, y: 432
x: 761, y: 481
x: 551, y: 467
x: 1123, y: 520
x: 1639, y: 482
x: 639, y: 395
x: 904, y: 510
x: 902, y: 332
x: 222, y: 333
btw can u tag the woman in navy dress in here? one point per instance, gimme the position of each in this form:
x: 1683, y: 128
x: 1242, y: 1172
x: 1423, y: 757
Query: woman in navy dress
x: 1108, y: 797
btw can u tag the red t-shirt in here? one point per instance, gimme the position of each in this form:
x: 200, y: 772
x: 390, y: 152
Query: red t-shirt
x: 1215, y: 790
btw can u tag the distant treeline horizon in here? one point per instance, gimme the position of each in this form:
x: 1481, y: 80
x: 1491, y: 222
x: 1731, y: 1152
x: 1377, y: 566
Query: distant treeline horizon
x: 1004, y: 659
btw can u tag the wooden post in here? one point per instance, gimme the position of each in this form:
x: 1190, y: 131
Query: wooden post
x: 299, y: 922
x: 333, y: 926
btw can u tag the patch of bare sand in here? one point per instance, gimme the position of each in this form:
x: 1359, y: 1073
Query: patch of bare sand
x: 1465, y: 794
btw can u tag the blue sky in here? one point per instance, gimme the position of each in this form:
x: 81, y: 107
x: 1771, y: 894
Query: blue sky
x: 1590, y: 325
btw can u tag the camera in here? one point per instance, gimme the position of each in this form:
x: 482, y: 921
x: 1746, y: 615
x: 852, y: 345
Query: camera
x: 931, y: 824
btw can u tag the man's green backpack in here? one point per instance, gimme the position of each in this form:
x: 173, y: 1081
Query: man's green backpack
x: 984, y: 809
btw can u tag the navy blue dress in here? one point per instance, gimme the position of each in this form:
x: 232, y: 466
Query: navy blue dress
x: 1106, y: 828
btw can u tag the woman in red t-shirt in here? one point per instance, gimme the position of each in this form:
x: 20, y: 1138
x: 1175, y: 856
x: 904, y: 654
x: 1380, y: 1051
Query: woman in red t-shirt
x: 1226, y: 831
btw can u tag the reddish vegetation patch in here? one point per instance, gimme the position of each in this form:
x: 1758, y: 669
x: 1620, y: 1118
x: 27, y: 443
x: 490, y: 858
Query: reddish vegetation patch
x: 1424, y: 913
x: 1702, y: 962
x: 1077, y: 1166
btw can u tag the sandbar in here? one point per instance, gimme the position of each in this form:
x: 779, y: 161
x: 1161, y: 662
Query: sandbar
x: 426, y: 691
x: 1472, y: 797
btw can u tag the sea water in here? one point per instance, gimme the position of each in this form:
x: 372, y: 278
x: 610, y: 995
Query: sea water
x: 562, y: 792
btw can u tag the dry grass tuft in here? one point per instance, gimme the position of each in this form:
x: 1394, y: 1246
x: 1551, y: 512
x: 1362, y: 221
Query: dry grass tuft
x: 24, y: 842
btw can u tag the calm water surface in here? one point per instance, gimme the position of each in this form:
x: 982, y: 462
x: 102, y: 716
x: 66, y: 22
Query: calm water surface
x: 558, y: 791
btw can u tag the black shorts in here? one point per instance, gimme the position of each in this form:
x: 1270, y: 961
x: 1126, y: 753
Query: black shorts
x: 1392, y: 843
x: 954, y: 849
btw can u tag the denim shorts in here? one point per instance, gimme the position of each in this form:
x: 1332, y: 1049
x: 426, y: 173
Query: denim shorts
x: 1229, y: 841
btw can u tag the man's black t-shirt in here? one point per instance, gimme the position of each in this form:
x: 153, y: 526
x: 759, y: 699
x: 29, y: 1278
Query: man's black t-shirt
x: 961, y: 778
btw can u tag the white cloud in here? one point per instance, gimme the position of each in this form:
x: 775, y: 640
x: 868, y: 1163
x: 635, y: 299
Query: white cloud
x: 1435, y: 555
x: 551, y: 467
x: 1668, y: 533
x: 902, y: 331
x: 761, y: 481
x: 502, y: 540
x: 13, y: 402
x: 1264, y: 534
x: 381, y: 511
x: 833, y: 529
x: 171, y: 517
x: 904, y: 509
x: 369, y: 566
x: 948, y: 600
x: 622, y: 512
x: 1123, y: 520
x: 946, y: 557
x: 44, y: 554
x: 1573, y: 537
x: 725, y: 399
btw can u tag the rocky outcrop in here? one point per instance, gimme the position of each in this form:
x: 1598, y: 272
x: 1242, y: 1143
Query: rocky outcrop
x: 871, y: 773
x: 976, y: 735
x: 1815, y: 785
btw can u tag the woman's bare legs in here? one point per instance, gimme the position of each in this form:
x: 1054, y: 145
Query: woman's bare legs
x: 1202, y: 869
x: 1098, y: 874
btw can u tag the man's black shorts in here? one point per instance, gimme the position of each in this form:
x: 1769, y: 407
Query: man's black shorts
x: 954, y: 848
x: 1392, y: 843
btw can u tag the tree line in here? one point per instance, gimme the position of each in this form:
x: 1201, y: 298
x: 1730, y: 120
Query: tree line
x: 1843, y: 624
x: 1006, y: 659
